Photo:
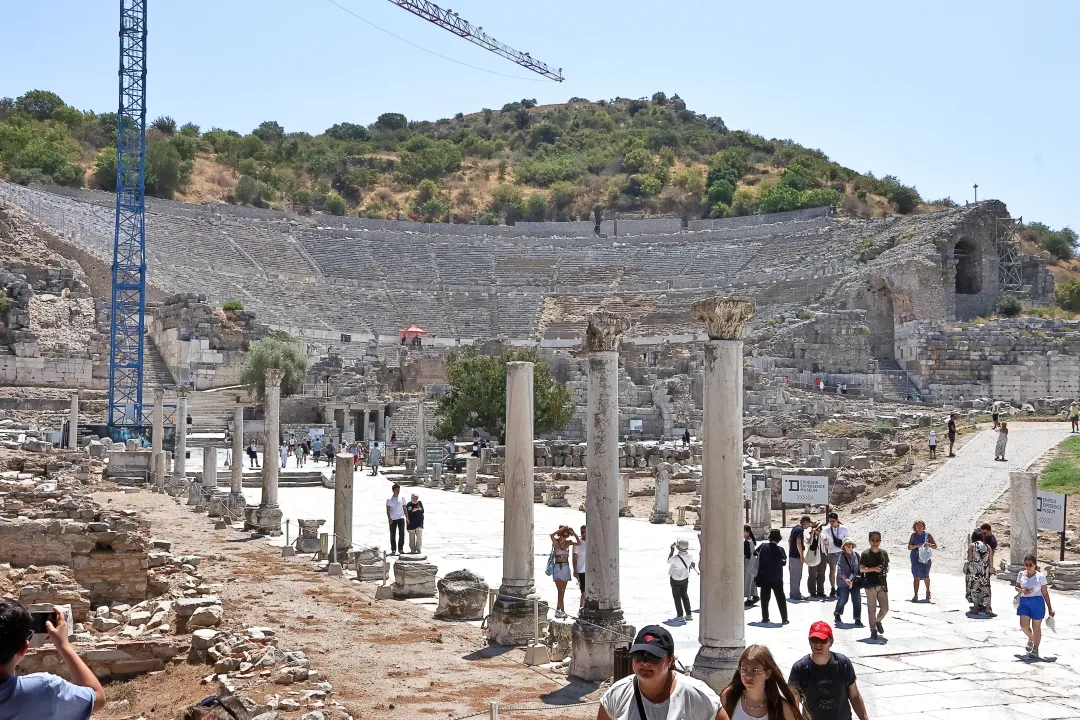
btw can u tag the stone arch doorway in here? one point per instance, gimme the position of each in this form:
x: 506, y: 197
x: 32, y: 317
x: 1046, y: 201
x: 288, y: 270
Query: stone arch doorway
x: 881, y: 317
x: 966, y: 260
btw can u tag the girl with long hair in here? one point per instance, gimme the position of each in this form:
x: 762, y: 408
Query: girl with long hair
x: 758, y: 691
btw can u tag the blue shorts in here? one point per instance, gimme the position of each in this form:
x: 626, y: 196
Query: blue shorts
x: 562, y: 571
x: 1033, y: 607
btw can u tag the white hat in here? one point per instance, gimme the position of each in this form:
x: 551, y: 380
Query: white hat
x: 682, y: 543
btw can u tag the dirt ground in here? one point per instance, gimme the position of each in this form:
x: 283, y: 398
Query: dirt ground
x: 385, y: 659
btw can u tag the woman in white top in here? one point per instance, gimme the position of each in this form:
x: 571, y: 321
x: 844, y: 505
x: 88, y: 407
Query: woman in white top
x: 758, y: 690
x: 679, y: 567
x: 579, y: 553
x: 1034, y: 603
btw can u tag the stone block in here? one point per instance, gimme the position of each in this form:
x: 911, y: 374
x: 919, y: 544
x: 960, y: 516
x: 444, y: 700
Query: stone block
x: 462, y: 596
x: 414, y: 579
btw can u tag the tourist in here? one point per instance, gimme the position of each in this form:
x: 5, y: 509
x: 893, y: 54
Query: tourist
x: 580, y: 551
x: 679, y: 566
x: 42, y: 696
x: 283, y: 452
x: 833, y: 536
x: 191, y: 380
x: 991, y: 540
x: 750, y: 559
x: 1074, y: 417
x: 770, y: 575
x: 405, y: 441
x: 850, y: 584
x: 874, y: 565
x: 826, y: 680
x: 995, y: 414
x: 750, y: 450
x: 796, y: 558
x: 217, y: 708
x: 451, y: 449
x: 920, y: 570
x: 561, y: 541
x: 1002, y: 441
x: 816, y: 565
x: 951, y: 428
x: 395, y: 515
x: 299, y: 454
x: 686, y: 438
x: 475, y: 449
x: 331, y: 451
x: 354, y: 450
x: 316, y: 449
x: 1034, y: 603
x: 654, y: 689
x: 758, y: 686
x: 253, y: 455
x: 374, y: 458
x: 977, y: 575
x: 414, y: 523
x: 933, y: 444
x: 393, y: 439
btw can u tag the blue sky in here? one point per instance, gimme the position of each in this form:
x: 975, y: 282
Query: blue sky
x: 941, y: 94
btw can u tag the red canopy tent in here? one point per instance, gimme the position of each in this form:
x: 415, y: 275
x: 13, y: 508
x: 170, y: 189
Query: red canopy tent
x: 412, y: 332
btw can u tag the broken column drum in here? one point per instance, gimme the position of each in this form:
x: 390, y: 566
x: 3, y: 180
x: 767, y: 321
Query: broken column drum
x: 343, y: 505
x: 157, y: 435
x: 721, y: 630
x: 73, y: 423
x: 601, y: 624
x: 267, y: 517
x: 512, y: 621
x: 209, y: 473
x: 471, y: 464
x: 661, y: 513
x: 236, y: 502
x: 1023, y: 521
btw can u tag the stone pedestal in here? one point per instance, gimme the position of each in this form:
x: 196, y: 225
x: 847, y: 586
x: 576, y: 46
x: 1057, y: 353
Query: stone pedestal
x: 180, y: 437
x: 660, y: 513
x: 556, y: 495
x: 1023, y: 526
x: 601, y: 625
x: 308, y: 539
x: 370, y: 564
x: 560, y: 633
x: 491, y: 487
x: 267, y: 517
x: 436, y: 475
x: 761, y: 513
x: 471, y: 464
x: 161, y: 462
x: 194, y: 492
x: 624, y: 496
x: 343, y: 504
x: 73, y: 423
x: 721, y: 628
x: 414, y: 580
x: 209, y: 480
x: 512, y: 621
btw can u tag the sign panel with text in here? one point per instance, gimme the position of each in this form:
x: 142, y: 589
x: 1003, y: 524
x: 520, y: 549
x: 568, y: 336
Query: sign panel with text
x: 1050, y: 511
x: 805, y: 490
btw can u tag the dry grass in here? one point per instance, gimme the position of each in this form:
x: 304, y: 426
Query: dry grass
x: 157, y: 696
x: 209, y: 181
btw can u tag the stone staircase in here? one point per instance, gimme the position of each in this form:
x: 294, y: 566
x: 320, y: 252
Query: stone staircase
x: 895, y: 383
x: 212, y: 410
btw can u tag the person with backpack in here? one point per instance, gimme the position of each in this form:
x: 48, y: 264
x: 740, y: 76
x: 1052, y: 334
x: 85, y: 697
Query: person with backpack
x: 849, y: 584
x: 253, y: 455
x: 833, y: 536
x: 679, y: 566
x: 770, y: 575
x: 874, y: 565
x: 816, y: 566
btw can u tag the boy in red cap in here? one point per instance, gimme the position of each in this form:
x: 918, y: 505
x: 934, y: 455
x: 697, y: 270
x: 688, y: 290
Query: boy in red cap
x: 826, y: 680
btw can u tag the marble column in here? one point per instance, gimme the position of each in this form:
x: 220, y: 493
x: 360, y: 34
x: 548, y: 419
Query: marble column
x: 624, y: 496
x: 180, y: 437
x: 761, y: 513
x: 73, y: 423
x: 343, y: 505
x: 1023, y: 525
x: 209, y: 480
x: 471, y: 464
x: 268, y: 515
x: 660, y: 513
x: 721, y: 628
x: 157, y: 437
x: 512, y: 620
x: 236, y: 502
x: 421, y: 440
x: 601, y: 624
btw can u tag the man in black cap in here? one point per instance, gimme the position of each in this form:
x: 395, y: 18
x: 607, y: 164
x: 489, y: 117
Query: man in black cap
x: 655, y: 690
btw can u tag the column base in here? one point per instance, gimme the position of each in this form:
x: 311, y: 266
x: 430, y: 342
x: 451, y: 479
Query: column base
x: 716, y: 665
x: 194, y: 494
x: 663, y: 518
x: 217, y: 506
x: 595, y: 637
x: 235, y: 504
x: 265, y: 520
x: 513, y: 623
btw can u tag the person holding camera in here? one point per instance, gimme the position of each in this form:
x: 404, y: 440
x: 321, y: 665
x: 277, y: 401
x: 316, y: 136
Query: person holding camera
x: 679, y: 566
x: 562, y: 540
x: 42, y: 696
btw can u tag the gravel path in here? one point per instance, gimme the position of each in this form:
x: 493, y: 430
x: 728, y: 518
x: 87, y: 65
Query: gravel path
x: 951, y: 499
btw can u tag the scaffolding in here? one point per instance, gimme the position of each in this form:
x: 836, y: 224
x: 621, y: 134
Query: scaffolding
x: 1010, y: 259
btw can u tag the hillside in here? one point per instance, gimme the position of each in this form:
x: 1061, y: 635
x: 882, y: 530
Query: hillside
x: 555, y: 162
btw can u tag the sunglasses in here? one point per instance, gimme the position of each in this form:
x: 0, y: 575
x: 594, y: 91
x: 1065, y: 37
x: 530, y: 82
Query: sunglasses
x: 645, y: 657
x: 213, y: 701
x: 818, y: 641
x: 750, y: 672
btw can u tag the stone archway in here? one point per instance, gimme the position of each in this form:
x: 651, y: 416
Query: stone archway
x: 967, y: 261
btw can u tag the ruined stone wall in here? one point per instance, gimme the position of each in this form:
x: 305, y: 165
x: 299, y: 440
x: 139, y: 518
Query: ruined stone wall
x: 837, y: 342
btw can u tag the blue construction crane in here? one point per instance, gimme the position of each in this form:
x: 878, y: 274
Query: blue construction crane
x: 127, y: 312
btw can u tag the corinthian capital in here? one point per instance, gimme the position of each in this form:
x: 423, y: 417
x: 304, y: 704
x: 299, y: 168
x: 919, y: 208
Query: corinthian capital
x: 274, y: 377
x: 724, y: 317
x: 603, y: 331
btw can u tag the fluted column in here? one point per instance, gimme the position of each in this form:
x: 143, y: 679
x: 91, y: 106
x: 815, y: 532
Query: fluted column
x: 661, y: 514
x: 421, y: 440
x: 721, y: 631
x: 268, y: 514
x: 600, y: 625
x: 157, y: 436
x: 343, y: 504
x: 180, y: 437
x: 511, y: 621
x: 236, y: 502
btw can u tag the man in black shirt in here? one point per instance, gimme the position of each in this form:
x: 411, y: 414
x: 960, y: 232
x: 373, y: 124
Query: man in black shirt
x: 796, y: 558
x: 952, y: 432
x: 874, y: 565
x: 826, y: 680
x: 414, y: 521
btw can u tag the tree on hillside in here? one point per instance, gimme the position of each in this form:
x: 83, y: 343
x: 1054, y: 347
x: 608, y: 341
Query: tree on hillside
x: 269, y: 131
x: 165, y: 125
x: 477, y: 396
x: 39, y: 104
x: 391, y: 121
x: 276, y: 351
x: 1059, y: 243
x: 348, y: 131
x: 164, y: 169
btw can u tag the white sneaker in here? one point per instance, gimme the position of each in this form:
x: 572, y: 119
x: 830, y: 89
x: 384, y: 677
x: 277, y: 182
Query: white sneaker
x: 688, y: 617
